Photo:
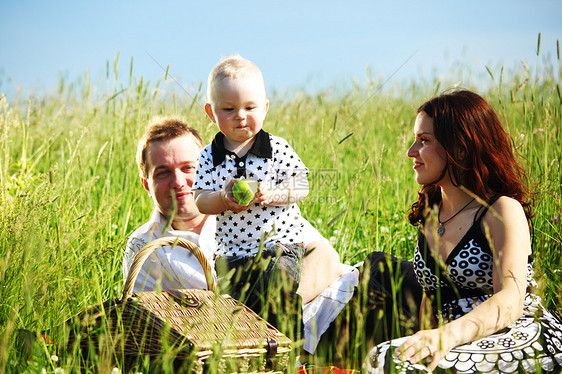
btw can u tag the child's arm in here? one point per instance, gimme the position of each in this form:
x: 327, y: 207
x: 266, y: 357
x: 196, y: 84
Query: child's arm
x: 216, y: 202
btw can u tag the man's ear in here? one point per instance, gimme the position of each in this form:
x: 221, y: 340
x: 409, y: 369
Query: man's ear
x: 145, y: 185
x: 210, y: 113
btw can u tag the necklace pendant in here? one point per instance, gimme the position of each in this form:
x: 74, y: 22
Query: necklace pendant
x: 440, y: 230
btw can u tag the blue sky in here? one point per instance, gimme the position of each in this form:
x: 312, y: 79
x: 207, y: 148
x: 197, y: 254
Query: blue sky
x: 298, y: 44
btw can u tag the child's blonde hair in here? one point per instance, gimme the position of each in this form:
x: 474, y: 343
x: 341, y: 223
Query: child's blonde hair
x: 231, y: 67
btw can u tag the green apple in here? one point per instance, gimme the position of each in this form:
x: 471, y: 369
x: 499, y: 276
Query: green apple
x: 244, y: 191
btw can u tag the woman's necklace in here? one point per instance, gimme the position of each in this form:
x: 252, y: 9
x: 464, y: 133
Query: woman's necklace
x: 441, y: 228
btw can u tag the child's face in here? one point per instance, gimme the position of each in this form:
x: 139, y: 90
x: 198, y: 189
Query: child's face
x: 239, y: 108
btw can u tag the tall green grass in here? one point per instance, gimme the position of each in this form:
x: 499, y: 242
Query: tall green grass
x: 70, y: 193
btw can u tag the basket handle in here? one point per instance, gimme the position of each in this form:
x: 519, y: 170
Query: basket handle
x: 150, y: 247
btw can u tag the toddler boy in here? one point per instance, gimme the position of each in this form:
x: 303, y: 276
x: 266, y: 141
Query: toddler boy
x: 262, y: 241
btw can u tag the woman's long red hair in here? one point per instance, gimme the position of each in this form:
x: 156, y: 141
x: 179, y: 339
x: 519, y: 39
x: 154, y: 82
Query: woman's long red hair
x: 480, y: 153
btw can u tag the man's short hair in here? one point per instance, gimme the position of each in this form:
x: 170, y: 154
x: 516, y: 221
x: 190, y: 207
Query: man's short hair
x: 163, y: 129
x: 231, y: 67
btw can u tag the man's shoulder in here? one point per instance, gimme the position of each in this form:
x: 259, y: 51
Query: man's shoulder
x: 138, y: 239
x: 142, y: 235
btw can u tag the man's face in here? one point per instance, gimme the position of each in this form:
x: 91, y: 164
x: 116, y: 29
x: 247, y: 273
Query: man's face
x: 171, y: 166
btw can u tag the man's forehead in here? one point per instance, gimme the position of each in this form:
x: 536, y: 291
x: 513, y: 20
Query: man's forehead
x: 183, y: 149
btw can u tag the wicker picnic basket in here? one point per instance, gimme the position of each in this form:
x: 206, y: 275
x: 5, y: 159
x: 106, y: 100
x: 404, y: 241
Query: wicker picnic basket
x: 199, y: 328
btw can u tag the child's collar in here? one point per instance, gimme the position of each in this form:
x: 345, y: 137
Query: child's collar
x: 260, y: 148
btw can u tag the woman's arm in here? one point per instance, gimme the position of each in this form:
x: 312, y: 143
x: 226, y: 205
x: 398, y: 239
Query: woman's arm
x: 506, y: 227
x: 427, y: 320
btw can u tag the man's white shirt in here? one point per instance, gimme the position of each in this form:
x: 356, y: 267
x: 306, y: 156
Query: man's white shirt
x: 168, y: 268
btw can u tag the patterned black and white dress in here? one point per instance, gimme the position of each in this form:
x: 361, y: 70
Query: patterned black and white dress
x: 533, y: 343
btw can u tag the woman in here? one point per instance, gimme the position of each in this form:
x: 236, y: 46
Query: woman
x: 473, y: 256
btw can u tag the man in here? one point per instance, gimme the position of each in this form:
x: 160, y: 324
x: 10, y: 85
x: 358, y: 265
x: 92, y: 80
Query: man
x: 167, y: 158
x: 333, y: 313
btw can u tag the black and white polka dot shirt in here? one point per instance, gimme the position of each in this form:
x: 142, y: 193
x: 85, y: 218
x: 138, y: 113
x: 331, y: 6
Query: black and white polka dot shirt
x: 271, y: 160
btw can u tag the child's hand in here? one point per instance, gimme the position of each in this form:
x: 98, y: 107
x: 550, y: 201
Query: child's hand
x: 228, y: 198
x: 263, y: 196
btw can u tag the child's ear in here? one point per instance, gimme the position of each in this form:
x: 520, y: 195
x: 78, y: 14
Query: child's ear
x: 210, y: 113
x: 266, y: 105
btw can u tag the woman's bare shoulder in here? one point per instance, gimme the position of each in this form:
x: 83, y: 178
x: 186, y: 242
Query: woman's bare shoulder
x: 507, y: 207
x: 507, y: 221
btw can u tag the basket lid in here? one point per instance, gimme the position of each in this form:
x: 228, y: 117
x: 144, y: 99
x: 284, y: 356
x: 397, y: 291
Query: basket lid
x: 204, y: 319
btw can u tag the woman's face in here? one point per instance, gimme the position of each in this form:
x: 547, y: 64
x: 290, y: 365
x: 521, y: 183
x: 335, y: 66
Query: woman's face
x: 428, y: 154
